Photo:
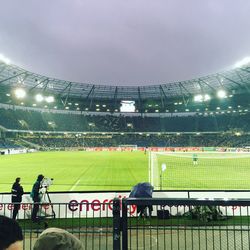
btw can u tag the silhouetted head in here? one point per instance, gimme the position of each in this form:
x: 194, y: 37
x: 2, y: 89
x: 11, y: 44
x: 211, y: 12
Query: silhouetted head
x: 11, y: 235
x: 18, y: 179
x: 40, y: 177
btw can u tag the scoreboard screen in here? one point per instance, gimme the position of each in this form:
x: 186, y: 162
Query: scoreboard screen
x: 127, y: 106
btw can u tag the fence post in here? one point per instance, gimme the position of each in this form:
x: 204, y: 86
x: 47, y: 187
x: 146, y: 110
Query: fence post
x: 116, y: 225
x: 124, y: 225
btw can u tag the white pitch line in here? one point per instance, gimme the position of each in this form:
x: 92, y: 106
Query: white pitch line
x: 75, y: 185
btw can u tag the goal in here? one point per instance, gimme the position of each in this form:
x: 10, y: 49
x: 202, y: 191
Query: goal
x: 199, y: 170
x: 128, y: 147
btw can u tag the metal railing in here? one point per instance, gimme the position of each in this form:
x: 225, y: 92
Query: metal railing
x: 92, y: 223
x: 160, y: 224
x: 186, y: 224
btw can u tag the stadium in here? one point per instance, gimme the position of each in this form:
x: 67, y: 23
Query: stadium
x: 124, y: 125
x: 117, y: 129
x: 96, y: 138
x: 182, y: 137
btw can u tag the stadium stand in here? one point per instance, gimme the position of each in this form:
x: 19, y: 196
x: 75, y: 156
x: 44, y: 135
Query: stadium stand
x: 152, y: 140
x: 50, y: 121
x: 5, y: 143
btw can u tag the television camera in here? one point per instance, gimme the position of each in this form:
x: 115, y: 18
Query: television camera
x: 45, y: 198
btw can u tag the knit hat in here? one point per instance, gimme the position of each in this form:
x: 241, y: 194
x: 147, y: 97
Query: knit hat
x: 57, y: 239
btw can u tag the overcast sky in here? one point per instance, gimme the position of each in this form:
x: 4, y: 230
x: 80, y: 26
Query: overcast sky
x: 127, y: 42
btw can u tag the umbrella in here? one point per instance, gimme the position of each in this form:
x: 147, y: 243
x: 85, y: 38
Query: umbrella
x: 142, y: 190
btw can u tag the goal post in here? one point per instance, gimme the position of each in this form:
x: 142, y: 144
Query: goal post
x: 199, y: 170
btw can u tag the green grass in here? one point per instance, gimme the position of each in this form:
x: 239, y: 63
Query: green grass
x: 85, y: 171
x: 213, y: 171
x: 76, y: 171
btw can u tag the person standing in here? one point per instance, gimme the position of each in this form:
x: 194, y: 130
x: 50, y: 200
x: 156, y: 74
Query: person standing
x: 195, y: 159
x: 35, y: 195
x: 16, y: 196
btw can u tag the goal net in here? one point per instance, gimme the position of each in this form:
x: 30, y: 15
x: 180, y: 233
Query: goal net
x: 199, y: 170
x: 128, y: 147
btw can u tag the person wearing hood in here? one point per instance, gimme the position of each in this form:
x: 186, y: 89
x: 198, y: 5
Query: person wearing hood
x: 56, y: 238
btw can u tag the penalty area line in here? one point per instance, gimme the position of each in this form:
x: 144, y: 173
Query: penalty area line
x: 75, y: 185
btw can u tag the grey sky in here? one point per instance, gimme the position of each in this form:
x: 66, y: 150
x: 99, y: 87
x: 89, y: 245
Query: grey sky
x: 125, y: 41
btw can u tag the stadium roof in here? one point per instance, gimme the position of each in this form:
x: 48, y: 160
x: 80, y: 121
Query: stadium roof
x: 237, y: 79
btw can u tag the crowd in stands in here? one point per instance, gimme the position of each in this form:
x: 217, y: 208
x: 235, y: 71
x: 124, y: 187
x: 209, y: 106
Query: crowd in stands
x: 152, y: 140
x: 50, y: 121
x: 7, y: 143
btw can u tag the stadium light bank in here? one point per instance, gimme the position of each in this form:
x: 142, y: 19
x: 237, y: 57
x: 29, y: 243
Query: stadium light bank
x: 243, y: 62
x: 4, y: 59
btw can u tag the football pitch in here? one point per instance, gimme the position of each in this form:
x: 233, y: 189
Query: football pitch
x: 93, y: 171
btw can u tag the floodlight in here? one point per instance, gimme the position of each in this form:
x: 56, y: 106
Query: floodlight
x: 39, y: 98
x: 198, y: 98
x: 207, y: 97
x: 20, y: 93
x: 4, y: 59
x: 50, y: 99
x: 221, y: 93
x: 243, y: 62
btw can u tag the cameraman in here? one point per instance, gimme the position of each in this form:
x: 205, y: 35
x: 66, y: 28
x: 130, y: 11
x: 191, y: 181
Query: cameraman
x: 16, y: 196
x: 35, y: 195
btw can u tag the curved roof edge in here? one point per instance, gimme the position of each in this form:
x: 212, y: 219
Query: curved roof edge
x: 230, y: 80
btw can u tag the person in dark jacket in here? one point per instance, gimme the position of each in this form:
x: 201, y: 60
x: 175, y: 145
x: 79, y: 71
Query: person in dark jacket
x: 35, y: 195
x: 16, y: 196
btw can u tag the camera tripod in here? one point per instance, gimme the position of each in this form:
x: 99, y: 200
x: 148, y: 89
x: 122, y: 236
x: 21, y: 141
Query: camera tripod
x: 45, y: 199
